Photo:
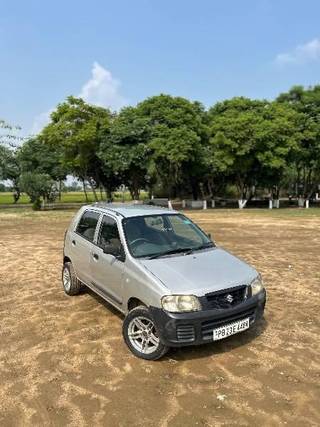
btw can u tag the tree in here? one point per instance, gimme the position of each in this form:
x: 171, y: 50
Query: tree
x: 8, y: 137
x: 10, y: 169
x: 307, y: 159
x: 277, y: 143
x: 232, y: 144
x: 177, y: 136
x: 251, y: 142
x: 37, y: 186
x: 35, y: 155
x: 78, y: 128
x: 125, y: 151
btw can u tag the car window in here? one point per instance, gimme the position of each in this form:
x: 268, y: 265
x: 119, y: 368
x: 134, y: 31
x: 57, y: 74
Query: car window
x: 87, y: 225
x: 184, y: 228
x: 155, y: 234
x: 109, y: 233
x: 155, y: 222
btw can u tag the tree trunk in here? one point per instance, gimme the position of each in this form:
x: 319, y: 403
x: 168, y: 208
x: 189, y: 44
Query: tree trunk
x: 108, y: 194
x: 135, y: 187
x: 210, y: 187
x: 242, y: 190
x: 17, y: 193
x: 134, y: 191
x: 84, y: 189
x: 131, y: 192
x: 242, y: 203
x: 194, y: 187
x: 101, y: 196
x: 59, y: 189
x: 93, y: 190
x: 136, y: 194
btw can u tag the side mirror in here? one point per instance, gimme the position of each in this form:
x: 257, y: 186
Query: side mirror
x: 209, y: 235
x: 116, y: 251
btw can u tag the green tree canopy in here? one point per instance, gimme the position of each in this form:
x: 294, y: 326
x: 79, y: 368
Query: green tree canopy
x: 177, y: 136
x: 124, y: 150
x: 172, y: 144
x: 232, y: 143
x: 78, y: 128
x: 252, y: 141
x: 307, y: 161
x: 37, y: 156
x: 10, y: 169
x: 37, y: 186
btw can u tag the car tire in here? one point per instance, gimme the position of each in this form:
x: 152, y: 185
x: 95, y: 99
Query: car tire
x: 70, y: 282
x: 140, y: 334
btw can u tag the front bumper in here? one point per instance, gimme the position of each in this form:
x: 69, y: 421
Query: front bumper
x: 182, y: 329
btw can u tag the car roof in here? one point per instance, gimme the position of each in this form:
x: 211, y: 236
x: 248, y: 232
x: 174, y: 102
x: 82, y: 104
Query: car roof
x: 129, y: 210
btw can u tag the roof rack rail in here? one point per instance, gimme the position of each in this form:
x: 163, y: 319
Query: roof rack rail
x: 104, y: 205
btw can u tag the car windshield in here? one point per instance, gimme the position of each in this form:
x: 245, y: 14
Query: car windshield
x: 154, y: 236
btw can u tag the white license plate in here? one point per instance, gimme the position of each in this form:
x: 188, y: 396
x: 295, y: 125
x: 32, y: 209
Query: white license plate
x: 231, y: 329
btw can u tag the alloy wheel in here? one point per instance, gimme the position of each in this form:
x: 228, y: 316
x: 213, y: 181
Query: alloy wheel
x: 142, y: 335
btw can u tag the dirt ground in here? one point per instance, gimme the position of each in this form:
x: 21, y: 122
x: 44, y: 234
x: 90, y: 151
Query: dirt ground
x: 63, y: 360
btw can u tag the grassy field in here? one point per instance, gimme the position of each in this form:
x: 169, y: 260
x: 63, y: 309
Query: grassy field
x: 63, y: 360
x: 70, y: 197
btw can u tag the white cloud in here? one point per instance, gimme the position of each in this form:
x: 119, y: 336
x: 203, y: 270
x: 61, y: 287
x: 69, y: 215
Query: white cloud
x: 303, y: 53
x: 101, y: 89
x: 40, y: 121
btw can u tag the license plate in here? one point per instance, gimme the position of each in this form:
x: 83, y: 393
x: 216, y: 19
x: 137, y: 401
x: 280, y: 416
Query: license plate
x: 231, y: 329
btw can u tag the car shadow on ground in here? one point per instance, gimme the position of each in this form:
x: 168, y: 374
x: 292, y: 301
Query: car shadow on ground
x: 198, y: 351
x: 218, y: 347
x: 103, y: 302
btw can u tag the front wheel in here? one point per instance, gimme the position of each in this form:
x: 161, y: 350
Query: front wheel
x: 70, y: 282
x: 141, y: 336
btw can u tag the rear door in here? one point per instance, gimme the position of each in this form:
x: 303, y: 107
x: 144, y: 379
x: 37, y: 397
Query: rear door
x: 106, y: 270
x: 82, y: 243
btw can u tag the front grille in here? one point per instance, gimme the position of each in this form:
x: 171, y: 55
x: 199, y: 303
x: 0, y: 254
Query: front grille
x: 226, y: 298
x: 208, y: 326
x: 185, y: 333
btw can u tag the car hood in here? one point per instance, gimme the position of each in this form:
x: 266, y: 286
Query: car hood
x: 200, y: 272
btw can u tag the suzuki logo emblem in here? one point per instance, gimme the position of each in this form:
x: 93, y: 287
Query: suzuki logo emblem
x: 229, y: 298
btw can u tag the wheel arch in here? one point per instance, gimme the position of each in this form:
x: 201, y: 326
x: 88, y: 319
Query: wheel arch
x: 134, y: 302
x: 66, y: 259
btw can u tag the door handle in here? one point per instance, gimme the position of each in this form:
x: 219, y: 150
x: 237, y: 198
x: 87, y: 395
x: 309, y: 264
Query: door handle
x: 73, y: 243
x: 95, y: 256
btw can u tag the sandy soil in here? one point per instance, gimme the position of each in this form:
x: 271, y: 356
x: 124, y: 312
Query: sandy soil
x: 63, y: 360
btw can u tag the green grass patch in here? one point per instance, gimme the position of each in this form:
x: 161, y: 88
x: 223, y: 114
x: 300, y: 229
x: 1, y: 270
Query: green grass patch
x: 70, y: 197
x: 7, y: 199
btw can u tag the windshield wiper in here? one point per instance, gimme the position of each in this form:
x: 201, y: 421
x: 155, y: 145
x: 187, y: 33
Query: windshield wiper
x: 206, y: 246
x: 171, y: 252
x: 187, y: 251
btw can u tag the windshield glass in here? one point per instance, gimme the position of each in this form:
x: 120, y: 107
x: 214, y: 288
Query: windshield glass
x: 160, y: 235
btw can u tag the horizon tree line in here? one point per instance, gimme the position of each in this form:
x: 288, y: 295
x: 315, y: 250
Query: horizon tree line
x: 173, y: 147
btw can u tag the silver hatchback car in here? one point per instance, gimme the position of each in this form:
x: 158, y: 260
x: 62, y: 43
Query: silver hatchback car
x: 170, y: 280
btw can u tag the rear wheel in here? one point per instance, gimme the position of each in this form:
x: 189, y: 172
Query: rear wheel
x: 70, y: 282
x: 141, y: 336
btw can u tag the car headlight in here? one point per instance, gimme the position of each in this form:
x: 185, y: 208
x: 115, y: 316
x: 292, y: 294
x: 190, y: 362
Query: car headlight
x: 180, y: 303
x: 256, y: 285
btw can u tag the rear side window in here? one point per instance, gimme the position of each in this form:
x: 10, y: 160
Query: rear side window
x: 87, y: 225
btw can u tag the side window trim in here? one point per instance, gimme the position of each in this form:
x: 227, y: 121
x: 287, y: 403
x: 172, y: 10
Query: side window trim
x: 97, y: 231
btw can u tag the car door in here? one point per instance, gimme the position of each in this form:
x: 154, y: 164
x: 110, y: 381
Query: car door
x: 82, y: 243
x: 106, y: 269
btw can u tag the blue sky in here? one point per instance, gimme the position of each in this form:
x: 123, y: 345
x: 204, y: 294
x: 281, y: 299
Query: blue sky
x: 115, y: 53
